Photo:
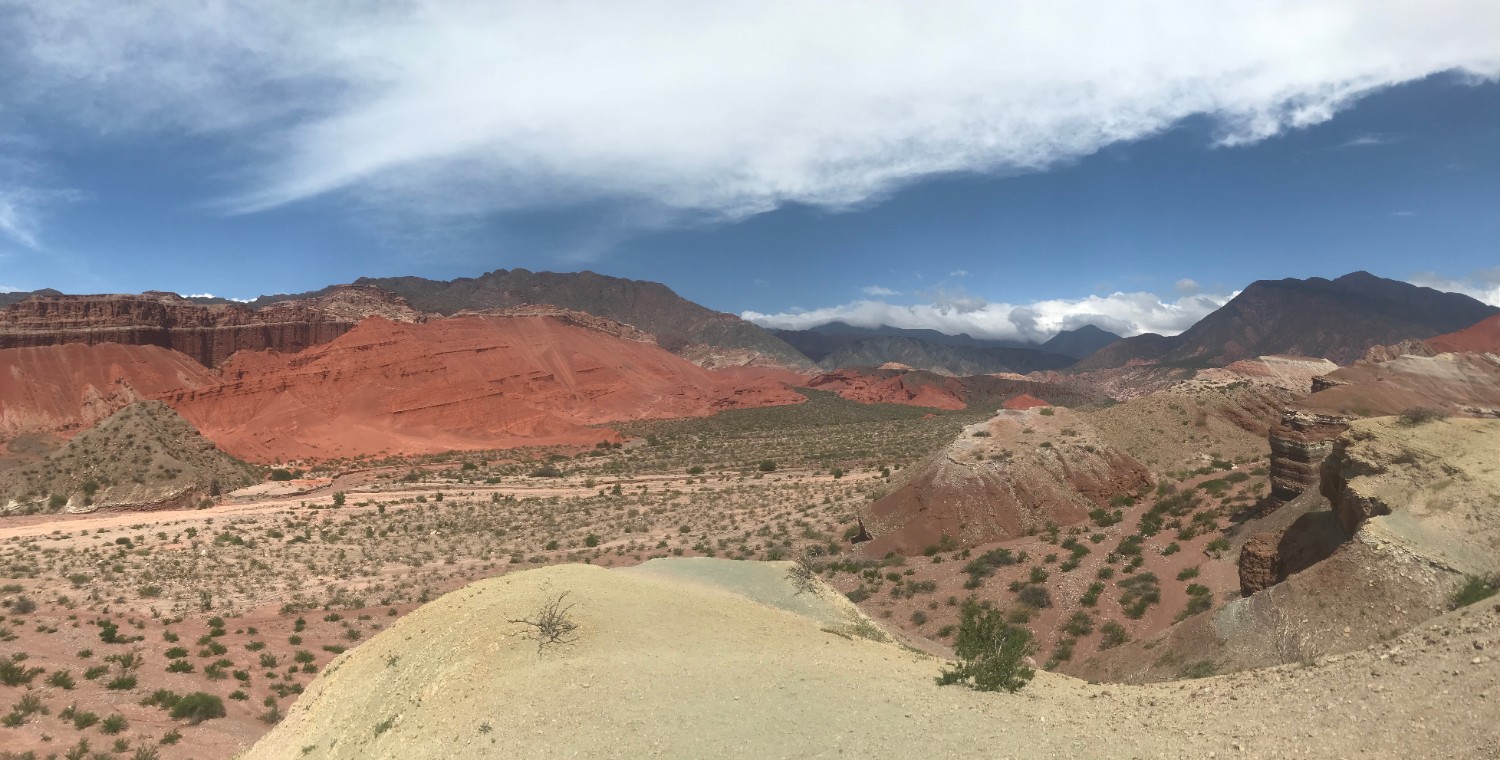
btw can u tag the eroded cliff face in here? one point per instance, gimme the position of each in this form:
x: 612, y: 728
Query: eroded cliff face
x: 208, y: 333
x: 1299, y: 444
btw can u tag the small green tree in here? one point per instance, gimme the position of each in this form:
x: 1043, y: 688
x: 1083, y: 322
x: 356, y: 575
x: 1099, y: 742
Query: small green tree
x: 991, y: 652
x: 338, y: 498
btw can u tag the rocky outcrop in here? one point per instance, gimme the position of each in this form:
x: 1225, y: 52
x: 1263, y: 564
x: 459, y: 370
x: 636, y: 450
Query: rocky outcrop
x: 209, y: 333
x: 1458, y: 384
x: 1408, y: 347
x: 1299, y: 444
x: 1259, y: 563
x: 1413, y: 512
x: 1004, y: 478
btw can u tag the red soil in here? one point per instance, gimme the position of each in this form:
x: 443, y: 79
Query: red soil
x: 1024, y: 401
x: 472, y: 382
x: 901, y: 388
x: 66, y: 388
x: 1484, y: 336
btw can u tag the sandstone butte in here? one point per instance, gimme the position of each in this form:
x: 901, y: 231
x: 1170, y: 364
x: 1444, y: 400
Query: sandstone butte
x: 209, y: 333
x: 66, y: 388
x: 477, y: 381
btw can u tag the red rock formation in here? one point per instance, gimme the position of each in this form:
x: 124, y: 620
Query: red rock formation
x: 1481, y: 337
x: 207, y: 333
x: 1024, y: 401
x: 1259, y: 563
x: 893, y: 387
x: 470, y: 382
x: 1299, y: 443
x: 61, y: 389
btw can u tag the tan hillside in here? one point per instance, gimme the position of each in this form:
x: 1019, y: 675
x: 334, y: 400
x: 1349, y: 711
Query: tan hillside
x: 667, y: 666
x: 142, y: 457
x: 1015, y: 474
x: 1418, y: 507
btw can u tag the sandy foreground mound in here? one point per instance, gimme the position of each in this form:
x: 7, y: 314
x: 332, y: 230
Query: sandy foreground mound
x: 672, y: 660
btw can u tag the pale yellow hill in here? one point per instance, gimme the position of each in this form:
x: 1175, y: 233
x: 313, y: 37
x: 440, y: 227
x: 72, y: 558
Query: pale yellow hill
x: 670, y: 661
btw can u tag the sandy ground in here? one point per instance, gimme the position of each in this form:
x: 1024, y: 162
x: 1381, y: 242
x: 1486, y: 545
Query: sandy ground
x: 665, y: 668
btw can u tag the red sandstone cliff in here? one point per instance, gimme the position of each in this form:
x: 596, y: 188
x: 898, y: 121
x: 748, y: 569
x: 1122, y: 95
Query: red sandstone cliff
x: 208, y: 333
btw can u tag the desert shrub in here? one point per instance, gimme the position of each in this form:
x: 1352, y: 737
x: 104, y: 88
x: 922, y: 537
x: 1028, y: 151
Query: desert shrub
x: 114, y: 724
x: 198, y: 707
x: 1036, y: 596
x: 1475, y: 589
x: 768, y: 465
x: 1112, y: 634
x: 1418, y: 415
x: 1080, y: 624
x: 986, y: 564
x: 281, y: 474
x: 991, y: 652
x: 13, y: 673
x: 62, y: 679
x: 1200, y: 669
x: 546, y: 471
x: 552, y: 623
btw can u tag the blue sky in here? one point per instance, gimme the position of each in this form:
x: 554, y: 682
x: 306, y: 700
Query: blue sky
x: 1002, y: 170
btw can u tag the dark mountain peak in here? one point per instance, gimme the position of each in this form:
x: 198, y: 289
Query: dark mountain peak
x: 1337, y: 319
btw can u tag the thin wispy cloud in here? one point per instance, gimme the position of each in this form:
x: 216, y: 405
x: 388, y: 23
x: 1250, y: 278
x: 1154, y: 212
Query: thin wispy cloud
x: 878, y: 291
x: 709, y: 110
x: 1369, y: 141
x: 1122, y: 313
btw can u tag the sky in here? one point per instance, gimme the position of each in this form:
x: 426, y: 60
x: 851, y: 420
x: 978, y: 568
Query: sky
x: 999, y: 168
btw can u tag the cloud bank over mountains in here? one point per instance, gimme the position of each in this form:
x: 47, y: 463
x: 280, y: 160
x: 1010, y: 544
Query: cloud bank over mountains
x: 690, y: 110
x: 1125, y: 314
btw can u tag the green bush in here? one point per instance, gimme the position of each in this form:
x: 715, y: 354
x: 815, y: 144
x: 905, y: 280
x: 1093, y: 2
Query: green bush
x: 1475, y: 589
x: 1418, y: 415
x: 768, y: 465
x: 198, y: 707
x: 991, y: 653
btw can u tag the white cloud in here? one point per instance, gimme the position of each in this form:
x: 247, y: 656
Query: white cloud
x: 9, y: 289
x: 708, y: 110
x: 1369, y: 140
x: 1187, y: 286
x: 1122, y: 313
x: 878, y: 291
x: 959, y: 273
x: 1483, y: 284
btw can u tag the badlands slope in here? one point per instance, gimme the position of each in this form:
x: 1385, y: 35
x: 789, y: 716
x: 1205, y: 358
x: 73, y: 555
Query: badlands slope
x: 715, y: 658
x: 468, y: 382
